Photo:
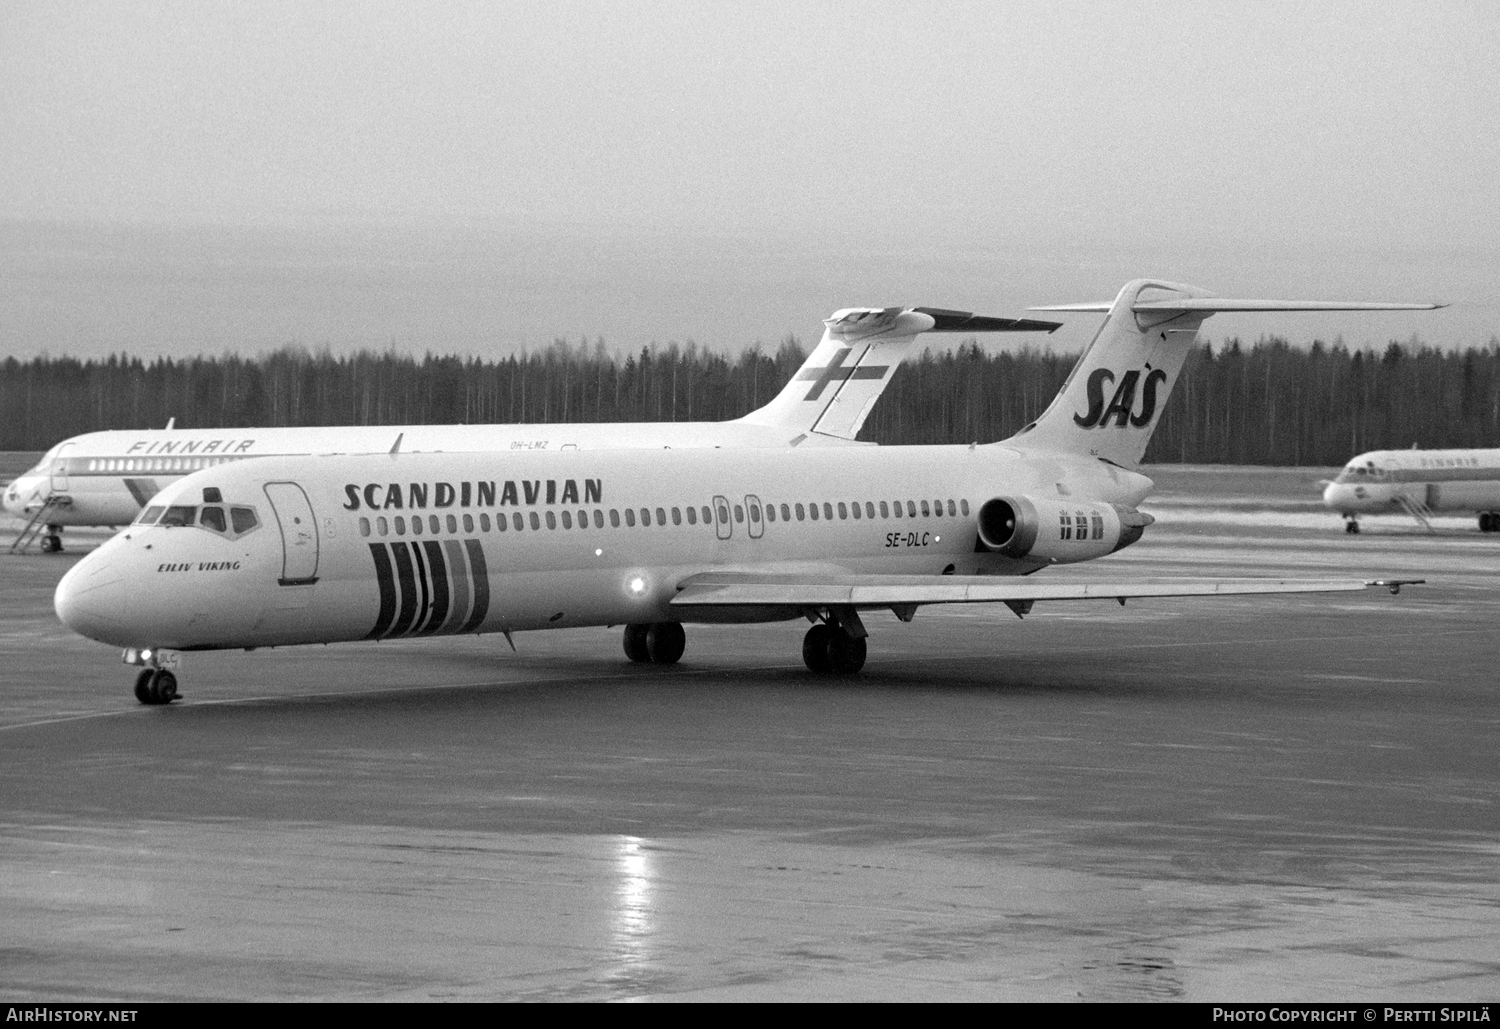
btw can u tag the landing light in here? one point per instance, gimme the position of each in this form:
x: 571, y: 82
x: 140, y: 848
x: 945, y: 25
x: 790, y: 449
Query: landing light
x: 598, y: 553
x: 637, y: 585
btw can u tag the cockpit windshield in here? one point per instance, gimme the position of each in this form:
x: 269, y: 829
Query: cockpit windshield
x: 223, y: 519
x: 1357, y: 472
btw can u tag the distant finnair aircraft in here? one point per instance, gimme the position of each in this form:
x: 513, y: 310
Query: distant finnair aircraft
x: 289, y: 550
x: 105, y: 478
x: 1420, y: 483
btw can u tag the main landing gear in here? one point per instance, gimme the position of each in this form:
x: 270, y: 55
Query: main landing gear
x: 660, y: 643
x: 155, y: 686
x: 829, y: 650
x: 1489, y: 521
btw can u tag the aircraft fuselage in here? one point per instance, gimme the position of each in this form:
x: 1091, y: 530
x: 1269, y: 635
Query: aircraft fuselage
x: 379, y: 547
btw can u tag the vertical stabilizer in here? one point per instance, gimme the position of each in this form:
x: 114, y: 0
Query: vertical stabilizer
x: 1116, y: 394
x: 834, y: 390
x: 1117, y: 391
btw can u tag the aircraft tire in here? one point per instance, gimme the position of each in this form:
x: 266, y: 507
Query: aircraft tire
x: 143, y: 686
x: 846, y: 655
x: 163, y: 687
x: 1487, y: 521
x: 1351, y: 527
x: 635, y: 643
x: 50, y: 544
x: 665, y: 642
x: 815, y: 649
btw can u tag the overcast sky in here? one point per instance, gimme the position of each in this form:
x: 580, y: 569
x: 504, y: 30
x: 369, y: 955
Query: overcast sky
x: 196, y: 176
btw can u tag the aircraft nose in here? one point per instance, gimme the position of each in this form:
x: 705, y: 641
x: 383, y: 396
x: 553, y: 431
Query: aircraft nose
x: 14, y: 498
x: 91, y: 599
x: 1334, y: 495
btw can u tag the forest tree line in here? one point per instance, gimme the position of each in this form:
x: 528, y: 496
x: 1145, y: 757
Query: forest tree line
x: 1267, y: 403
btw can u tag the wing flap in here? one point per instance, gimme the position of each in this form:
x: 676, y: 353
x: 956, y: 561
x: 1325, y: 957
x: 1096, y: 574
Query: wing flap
x: 742, y: 590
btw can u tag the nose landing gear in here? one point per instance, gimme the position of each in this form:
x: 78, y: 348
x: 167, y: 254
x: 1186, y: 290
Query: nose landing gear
x: 156, y: 683
x: 155, y: 686
x: 1351, y: 525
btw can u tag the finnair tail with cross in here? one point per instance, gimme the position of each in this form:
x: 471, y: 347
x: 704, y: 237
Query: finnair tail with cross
x: 861, y: 348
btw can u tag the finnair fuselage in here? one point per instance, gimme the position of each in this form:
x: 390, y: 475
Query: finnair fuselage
x: 107, y: 477
x: 1419, y: 482
x: 311, y: 550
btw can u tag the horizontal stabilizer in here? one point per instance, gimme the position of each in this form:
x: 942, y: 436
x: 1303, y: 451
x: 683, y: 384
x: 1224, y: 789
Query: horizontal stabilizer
x: 728, y: 589
x: 963, y: 321
x: 1222, y: 305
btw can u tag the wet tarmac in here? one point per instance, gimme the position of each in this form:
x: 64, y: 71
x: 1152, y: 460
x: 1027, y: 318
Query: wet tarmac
x: 1241, y: 799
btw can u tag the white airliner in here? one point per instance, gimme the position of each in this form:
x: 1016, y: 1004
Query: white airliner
x: 1420, y: 483
x: 106, y: 478
x: 295, y: 550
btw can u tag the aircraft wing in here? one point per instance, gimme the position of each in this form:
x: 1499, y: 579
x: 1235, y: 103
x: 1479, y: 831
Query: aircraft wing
x: 734, y: 589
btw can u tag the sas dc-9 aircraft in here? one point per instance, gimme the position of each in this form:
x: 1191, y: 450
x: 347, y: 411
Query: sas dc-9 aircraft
x: 106, y: 478
x: 291, y: 550
x: 1420, y: 483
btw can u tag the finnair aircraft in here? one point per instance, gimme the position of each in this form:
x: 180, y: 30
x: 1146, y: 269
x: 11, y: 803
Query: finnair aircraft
x: 1420, y: 483
x: 106, y: 478
x: 290, y: 550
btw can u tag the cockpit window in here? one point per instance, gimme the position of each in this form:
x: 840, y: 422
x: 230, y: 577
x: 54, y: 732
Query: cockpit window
x: 232, y: 522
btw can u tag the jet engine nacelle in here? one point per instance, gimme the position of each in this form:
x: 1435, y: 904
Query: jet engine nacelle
x: 1058, y: 531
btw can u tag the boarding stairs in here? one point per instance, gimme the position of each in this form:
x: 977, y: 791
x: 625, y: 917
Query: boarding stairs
x: 39, y: 522
x: 1418, y: 510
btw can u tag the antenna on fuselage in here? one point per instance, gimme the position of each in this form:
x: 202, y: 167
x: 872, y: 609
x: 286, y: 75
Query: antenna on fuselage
x: 396, y: 446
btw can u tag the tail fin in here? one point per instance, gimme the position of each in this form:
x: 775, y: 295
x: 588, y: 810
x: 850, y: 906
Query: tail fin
x: 1114, y: 397
x: 836, y: 387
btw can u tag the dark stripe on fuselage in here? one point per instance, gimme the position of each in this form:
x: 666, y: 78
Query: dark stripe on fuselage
x: 141, y: 489
x: 1432, y: 475
x: 458, y: 583
x: 421, y: 575
x: 387, y: 590
x: 439, y: 569
x: 408, y: 589
x: 481, y: 585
